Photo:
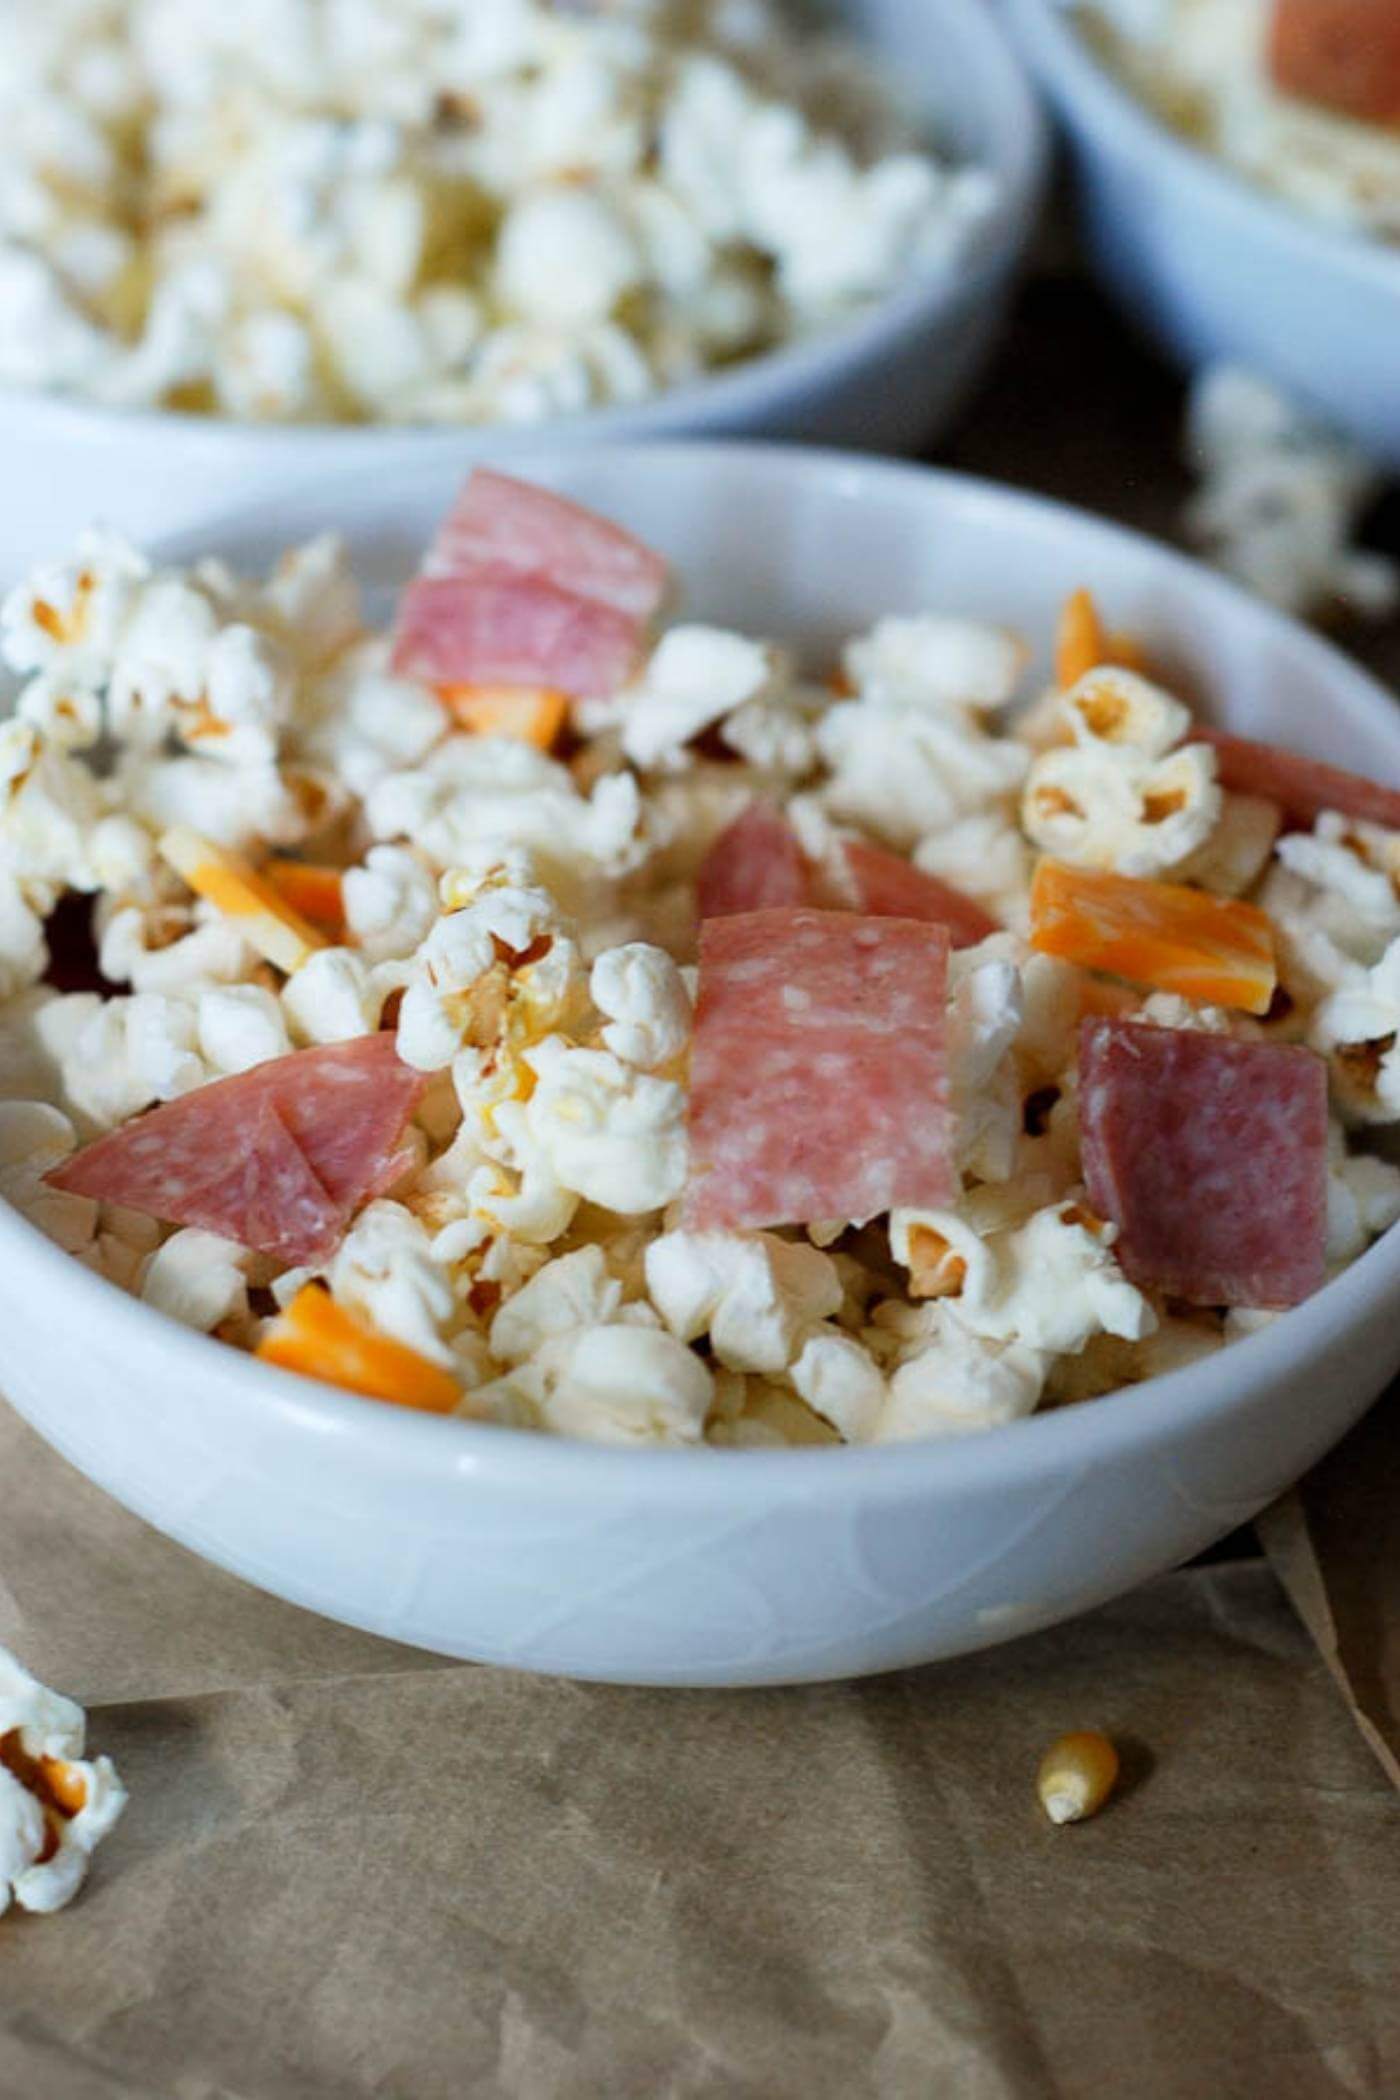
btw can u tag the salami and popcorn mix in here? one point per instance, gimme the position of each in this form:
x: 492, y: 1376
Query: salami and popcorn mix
x: 488, y: 1019
x: 442, y: 211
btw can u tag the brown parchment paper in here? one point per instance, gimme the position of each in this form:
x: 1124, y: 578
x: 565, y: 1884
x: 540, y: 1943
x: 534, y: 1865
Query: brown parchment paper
x: 1335, y: 1545
x: 348, y: 1870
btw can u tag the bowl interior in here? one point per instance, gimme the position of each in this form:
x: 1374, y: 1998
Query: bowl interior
x: 809, y: 546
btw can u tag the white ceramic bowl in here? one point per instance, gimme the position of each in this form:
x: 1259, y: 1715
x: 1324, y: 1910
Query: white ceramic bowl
x: 719, y: 1567
x: 886, y: 381
x: 1212, y: 266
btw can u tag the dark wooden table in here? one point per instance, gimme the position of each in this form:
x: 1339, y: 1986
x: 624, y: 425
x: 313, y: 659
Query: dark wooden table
x: 1078, y: 407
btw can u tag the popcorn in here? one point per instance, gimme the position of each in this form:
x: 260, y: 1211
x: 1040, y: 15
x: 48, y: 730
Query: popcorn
x: 240, y: 1025
x: 901, y: 771
x: 613, y: 1135
x: 624, y: 1385
x: 987, y: 858
x: 911, y: 757
x: 390, y: 903
x: 311, y: 602
x: 199, y: 1279
x: 165, y: 948
x: 458, y: 212
x: 243, y: 807
x: 944, y: 665
x: 364, y: 724
x: 1332, y: 896
x: 56, y: 1806
x: 1120, y: 796
x: 385, y: 1268
x: 1238, y: 850
x: 1363, y: 1200
x: 1358, y: 1030
x: 34, y: 1138
x: 594, y: 1367
x: 1050, y: 1284
x: 574, y: 1292
x: 130, y: 1053
x: 1356, y: 866
x: 1280, y: 496
x: 333, y: 997
x: 68, y: 716
x: 647, y: 1004
x: 479, y: 794
x: 499, y: 968
x: 984, y: 1021
x: 696, y: 676
x: 50, y: 807
x: 758, y: 1297
x: 564, y: 258
x: 24, y: 951
x: 954, y: 1382
x: 840, y: 1381
x: 65, y: 618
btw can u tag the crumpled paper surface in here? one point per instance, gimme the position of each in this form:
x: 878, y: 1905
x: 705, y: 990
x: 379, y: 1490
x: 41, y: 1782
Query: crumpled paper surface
x: 1335, y: 1546
x: 349, y: 1870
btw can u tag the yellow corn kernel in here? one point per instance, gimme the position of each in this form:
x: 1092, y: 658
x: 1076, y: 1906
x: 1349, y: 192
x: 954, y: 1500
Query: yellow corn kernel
x: 1077, y: 1774
x: 228, y: 882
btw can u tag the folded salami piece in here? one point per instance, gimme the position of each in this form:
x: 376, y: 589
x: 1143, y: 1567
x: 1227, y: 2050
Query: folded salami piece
x: 1302, y: 787
x: 277, y: 1158
x: 1210, y: 1156
x: 494, y: 627
x: 1343, y: 54
x: 755, y: 864
x: 892, y: 888
x: 500, y: 523
x: 819, y: 1076
x: 522, y: 587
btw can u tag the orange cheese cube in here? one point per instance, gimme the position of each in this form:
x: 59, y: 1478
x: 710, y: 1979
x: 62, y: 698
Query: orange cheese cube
x: 1210, y: 949
x: 314, y: 892
x: 1082, y: 644
x: 530, y: 714
x: 320, y: 1339
x: 233, y: 886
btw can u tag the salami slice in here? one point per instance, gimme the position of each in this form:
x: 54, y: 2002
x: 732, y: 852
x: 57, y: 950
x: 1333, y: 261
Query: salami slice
x: 277, y: 1158
x: 346, y: 1105
x: 1302, y: 787
x: 494, y: 627
x: 498, y: 523
x: 891, y: 888
x: 1343, y: 54
x: 819, y: 1079
x: 755, y: 864
x: 1210, y: 1156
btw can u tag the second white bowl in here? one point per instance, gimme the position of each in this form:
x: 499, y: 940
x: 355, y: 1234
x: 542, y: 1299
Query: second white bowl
x: 887, y: 380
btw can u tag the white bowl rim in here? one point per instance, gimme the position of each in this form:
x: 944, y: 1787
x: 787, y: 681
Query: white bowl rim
x: 1021, y: 169
x: 1152, y: 1415
x: 1063, y: 51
